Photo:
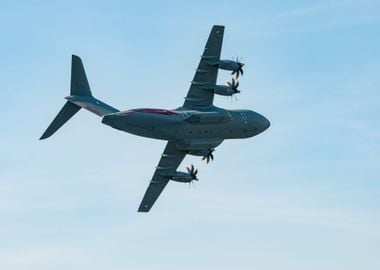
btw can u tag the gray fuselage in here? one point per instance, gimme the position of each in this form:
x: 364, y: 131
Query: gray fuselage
x: 190, y: 129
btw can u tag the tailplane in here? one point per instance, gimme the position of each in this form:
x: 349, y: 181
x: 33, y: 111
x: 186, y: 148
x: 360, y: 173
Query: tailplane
x: 80, y: 97
x: 67, y: 111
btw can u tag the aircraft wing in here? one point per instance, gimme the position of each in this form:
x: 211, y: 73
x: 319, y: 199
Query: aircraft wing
x: 207, y: 72
x: 169, y: 162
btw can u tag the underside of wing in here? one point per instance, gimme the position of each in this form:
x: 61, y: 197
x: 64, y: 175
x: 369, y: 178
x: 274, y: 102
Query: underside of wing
x: 169, y: 162
x: 207, y: 71
x: 156, y: 186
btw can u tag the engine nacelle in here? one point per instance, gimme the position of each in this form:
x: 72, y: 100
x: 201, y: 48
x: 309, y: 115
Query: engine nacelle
x: 228, y: 65
x: 182, y: 177
x: 200, y: 153
x: 223, y: 90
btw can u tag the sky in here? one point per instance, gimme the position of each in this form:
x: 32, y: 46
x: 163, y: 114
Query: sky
x: 305, y: 194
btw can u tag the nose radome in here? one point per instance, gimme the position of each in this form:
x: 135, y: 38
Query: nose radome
x: 266, y: 123
x: 262, y: 122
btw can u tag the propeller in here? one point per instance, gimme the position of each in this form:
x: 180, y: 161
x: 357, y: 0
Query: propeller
x: 239, y: 70
x: 193, y: 172
x: 234, y: 85
x: 209, y: 156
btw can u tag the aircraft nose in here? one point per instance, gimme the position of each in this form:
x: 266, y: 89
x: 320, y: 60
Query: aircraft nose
x: 262, y: 122
x: 265, y: 123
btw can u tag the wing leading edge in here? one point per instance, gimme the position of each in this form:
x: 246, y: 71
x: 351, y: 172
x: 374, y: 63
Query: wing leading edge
x: 169, y: 162
x: 207, y: 71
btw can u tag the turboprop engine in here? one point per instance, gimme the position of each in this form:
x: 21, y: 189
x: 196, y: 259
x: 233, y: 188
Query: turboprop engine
x: 235, y: 66
x: 188, y: 177
x: 225, y: 90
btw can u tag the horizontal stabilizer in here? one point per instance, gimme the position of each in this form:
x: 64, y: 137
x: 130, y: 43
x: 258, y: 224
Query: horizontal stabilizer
x: 92, y: 104
x: 67, y: 111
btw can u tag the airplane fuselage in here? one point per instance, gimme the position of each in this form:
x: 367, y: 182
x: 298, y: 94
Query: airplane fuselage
x: 191, y: 129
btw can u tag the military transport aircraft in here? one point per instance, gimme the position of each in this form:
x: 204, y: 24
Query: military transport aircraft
x: 195, y: 128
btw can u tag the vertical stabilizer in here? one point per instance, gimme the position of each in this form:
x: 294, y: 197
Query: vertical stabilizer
x: 79, y: 84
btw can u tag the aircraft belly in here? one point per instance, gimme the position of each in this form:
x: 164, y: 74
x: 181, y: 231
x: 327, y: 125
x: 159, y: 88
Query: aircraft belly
x: 162, y: 128
x: 197, y: 131
x: 229, y: 130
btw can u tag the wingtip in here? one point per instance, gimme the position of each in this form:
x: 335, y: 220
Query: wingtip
x: 43, y: 137
x: 75, y: 57
x: 144, y: 209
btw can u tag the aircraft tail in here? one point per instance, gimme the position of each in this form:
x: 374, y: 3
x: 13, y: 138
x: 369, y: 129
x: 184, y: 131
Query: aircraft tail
x: 80, y: 97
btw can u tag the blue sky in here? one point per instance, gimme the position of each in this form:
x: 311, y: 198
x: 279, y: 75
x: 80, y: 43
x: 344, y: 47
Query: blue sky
x: 303, y: 195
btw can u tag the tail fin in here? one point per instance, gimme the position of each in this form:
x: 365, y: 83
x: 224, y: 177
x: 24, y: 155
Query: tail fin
x: 79, y: 84
x: 80, y: 97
